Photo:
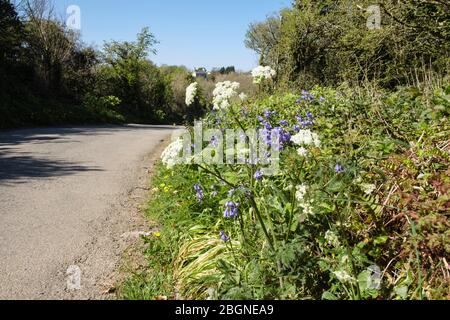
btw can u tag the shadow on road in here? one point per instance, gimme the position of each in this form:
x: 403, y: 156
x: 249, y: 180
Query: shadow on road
x: 58, y: 135
x: 18, y: 168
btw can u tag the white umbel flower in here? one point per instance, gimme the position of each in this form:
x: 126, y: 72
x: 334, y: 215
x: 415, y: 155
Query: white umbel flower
x: 332, y: 238
x: 343, y: 276
x: 223, y: 93
x: 261, y: 73
x: 302, y: 152
x: 191, y: 93
x: 301, y: 193
x: 306, y: 138
x: 243, y: 97
x: 368, y: 188
x: 171, y: 155
x: 307, y: 209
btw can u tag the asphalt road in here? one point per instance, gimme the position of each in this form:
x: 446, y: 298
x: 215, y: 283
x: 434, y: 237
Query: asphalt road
x: 65, y: 206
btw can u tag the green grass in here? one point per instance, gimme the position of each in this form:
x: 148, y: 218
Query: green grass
x: 173, y: 208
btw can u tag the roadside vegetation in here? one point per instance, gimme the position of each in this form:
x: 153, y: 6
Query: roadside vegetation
x: 360, y: 206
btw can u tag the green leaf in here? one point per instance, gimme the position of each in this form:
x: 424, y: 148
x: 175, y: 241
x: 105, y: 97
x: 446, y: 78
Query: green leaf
x: 380, y: 240
x: 402, y: 291
x: 328, y: 296
x: 364, y: 280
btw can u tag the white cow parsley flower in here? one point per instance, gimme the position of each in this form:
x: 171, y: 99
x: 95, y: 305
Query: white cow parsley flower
x: 307, y: 209
x: 191, y: 93
x: 332, y: 238
x: 343, y: 276
x: 223, y: 93
x: 306, y: 138
x: 243, y: 96
x: 301, y: 193
x: 171, y: 155
x: 302, y: 152
x: 368, y: 188
x: 261, y: 73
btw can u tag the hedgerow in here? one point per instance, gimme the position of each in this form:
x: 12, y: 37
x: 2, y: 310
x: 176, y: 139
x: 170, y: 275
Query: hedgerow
x: 359, y: 209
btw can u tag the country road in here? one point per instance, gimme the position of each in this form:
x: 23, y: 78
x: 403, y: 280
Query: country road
x: 65, y: 200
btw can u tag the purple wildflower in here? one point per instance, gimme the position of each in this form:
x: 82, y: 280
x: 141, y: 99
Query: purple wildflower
x: 306, y: 122
x: 296, y: 128
x: 231, y: 210
x: 214, y: 142
x: 339, y: 169
x: 259, y: 175
x: 307, y: 96
x: 267, y: 125
x: 199, y: 190
x: 266, y: 135
x: 224, y: 237
x: 268, y: 114
x: 283, y: 135
x: 284, y: 123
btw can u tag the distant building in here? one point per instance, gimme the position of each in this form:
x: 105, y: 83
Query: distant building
x: 200, y: 73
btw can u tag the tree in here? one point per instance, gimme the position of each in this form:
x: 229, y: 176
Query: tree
x: 328, y: 42
x: 50, y: 43
x: 116, y: 52
x: 263, y: 37
x: 129, y: 75
x: 11, y: 35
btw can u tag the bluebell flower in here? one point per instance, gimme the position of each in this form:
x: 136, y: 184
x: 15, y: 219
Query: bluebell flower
x: 199, y: 190
x: 284, y: 136
x: 268, y: 114
x: 284, y: 123
x: 296, y: 128
x: 306, y: 122
x: 266, y: 135
x: 214, y: 142
x: 339, y: 169
x: 231, y: 210
x: 307, y: 96
x: 259, y: 175
x: 224, y: 237
x: 267, y: 125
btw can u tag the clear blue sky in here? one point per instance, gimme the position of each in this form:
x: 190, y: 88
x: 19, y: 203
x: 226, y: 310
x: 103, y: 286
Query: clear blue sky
x: 193, y: 33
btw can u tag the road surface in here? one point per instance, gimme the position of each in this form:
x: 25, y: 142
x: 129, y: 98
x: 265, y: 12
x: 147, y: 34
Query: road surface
x: 65, y: 206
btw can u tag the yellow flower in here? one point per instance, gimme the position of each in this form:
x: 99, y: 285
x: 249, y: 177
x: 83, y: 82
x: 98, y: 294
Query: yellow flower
x: 157, y: 234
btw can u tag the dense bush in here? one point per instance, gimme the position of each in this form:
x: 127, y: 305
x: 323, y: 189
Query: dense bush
x: 330, y: 41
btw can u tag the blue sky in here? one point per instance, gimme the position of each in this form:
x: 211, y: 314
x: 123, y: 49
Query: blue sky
x: 193, y: 33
